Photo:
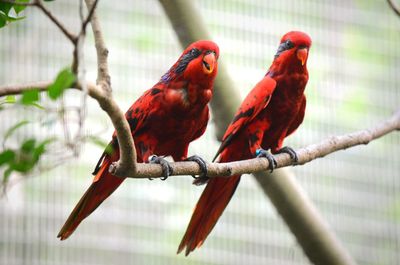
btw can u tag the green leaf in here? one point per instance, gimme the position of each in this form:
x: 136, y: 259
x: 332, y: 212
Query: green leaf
x: 19, y: 8
x: 41, y: 148
x: 6, y: 176
x: 5, y: 7
x: 30, y: 96
x: 64, y: 79
x: 98, y: 141
x: 22, y: 166
x: 10, y: 99
x: 28, y: 146
x: 37, y: 105
x: 12, y: 19
x: 6, y: 156
x: 11, y: 130
x: 3, y: 19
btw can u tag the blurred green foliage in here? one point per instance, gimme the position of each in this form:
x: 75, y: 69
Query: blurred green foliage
x: 10, y: 12
x: 24, y: 158
x: 65, y: 79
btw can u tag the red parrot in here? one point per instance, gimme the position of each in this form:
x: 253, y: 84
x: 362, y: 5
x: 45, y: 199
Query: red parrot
x: 272, y: 110
x: 163, y: 121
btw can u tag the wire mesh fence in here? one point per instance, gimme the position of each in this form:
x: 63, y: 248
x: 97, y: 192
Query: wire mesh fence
x: 353, y: 65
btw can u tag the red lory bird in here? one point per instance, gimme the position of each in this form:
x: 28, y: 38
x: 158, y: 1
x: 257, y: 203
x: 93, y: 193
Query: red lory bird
x: 163, y: 121
x: 272, y: 110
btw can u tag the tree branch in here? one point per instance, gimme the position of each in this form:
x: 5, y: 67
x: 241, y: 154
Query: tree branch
x: 93, y: 90
x: 102, y: 51
x: 64, y: 30
x: 393, y: 6
x: 88, y: 18
x: 305, y: 155
x: 127, y: 162
x: 19, y: 88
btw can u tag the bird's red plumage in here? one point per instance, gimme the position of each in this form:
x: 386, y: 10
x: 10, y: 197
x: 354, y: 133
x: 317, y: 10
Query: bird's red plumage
x: 163, y: 121
x: 272, y: 110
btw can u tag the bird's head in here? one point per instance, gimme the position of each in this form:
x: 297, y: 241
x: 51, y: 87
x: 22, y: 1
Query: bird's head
x: 293, y: 49
x: 198, y: 63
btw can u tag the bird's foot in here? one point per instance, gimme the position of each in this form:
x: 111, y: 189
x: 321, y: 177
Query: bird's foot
x: 202, y: 178
x: 166, y: 167
x: 271, y: 159
x: 288, y: 150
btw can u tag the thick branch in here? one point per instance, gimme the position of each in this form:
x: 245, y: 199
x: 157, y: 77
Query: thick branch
x: 127, y: 162
x: 103, y: 75
x: 305, y: 155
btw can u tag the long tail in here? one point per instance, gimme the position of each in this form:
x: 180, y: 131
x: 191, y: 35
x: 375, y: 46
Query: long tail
x: 103, y: 185
x: 209, y: 208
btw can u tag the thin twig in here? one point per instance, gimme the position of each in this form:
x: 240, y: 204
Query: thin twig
x: 73, y: 38
x: 395, y: 8
x: 17, y: 89
x: 82, y: 34
x: 88, y: 18
x: 81, y: 10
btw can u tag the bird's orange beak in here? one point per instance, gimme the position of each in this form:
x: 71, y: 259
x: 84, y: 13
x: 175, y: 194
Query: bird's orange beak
x: 302, y: 55
x: 209, y: 61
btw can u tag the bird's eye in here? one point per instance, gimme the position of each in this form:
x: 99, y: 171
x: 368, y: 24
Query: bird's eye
x: 289, y: 44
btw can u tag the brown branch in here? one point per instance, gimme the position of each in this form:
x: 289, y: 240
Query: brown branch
x: 395, y: 8
x: 305, y: 155
x: 47, y: 12
x: 93, y: 90
x: 102, y: 51
x: 88, y: 18
x: 19, y: 88
x: 127, y: 162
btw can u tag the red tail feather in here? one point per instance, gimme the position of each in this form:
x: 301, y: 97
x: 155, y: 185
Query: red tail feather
x: 103, y: 185
x: 209, y: 208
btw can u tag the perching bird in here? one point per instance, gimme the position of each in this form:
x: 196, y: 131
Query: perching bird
x: 163, y: 121
x: 272, y: 110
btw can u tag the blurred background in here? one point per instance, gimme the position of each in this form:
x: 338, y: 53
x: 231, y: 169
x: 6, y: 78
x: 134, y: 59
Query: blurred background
x: 354, y: 67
